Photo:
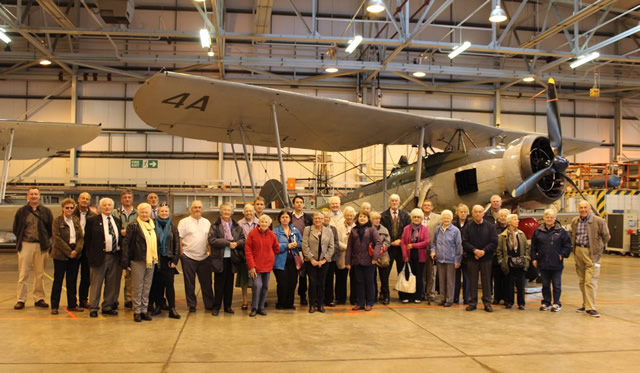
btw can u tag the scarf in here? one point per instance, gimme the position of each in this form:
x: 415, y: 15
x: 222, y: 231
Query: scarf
x: 149, y: 233
x: 162, y: 231
x: 415, y: 233
x: 512, y: 242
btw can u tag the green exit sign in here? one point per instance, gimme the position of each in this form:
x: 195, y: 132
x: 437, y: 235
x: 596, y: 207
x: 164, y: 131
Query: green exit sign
x: 144, y: 163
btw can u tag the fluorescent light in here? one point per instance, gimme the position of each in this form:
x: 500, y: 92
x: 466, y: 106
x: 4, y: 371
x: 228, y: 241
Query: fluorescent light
x: 205, y: 38
x: 353, y: 44
x: 331, y: 69
x: 497, y: 15
x: 459, y: 49
x: 375, y: 6
x: 210, y: 53
x: 4, y: 36
x: 45, y: 62
x: 584, y: 59
x: 419, y: 74
x: 529, y: 79
x: 199, y: 1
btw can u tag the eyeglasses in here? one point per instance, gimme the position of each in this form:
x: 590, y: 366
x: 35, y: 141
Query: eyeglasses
x: 69, y: 207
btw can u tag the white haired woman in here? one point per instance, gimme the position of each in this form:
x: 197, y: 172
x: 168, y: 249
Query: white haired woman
x: 514, y: 255
x: 261, y: 249
x: 317, y: 248
x: 414, y: 244
x: 446, y: 250
x: 140, y: 254
x: 344, y: 230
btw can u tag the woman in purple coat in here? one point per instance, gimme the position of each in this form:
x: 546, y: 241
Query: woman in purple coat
x: 363, y: 249
x: 414, y: 244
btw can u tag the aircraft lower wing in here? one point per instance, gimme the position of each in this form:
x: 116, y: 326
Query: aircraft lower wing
x: 39, y: 139
x: 207, y: 109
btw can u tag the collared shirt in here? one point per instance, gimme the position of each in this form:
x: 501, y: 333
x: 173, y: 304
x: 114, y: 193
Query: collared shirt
x: 72, y: 230
x: 448, y: 245
x: 154, y: 213
x: 127, y: 218
x: 582, y: 236
x: 248, y: 226
x: 83, y: 218
x: 336, y: 218
x: 108, y: 239
x: 194, y: 233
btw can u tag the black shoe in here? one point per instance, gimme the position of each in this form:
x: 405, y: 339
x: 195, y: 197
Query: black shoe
x: 385, y: 301
x: 262, y: 312
x: 521, y: 308
x: 488, y: 308
x: 448, y: 304
x: 312, y: 309
x: 156, y: 311
x: 330, y: 304
x: 137, y: 317
x: 110, y: 312
x: 84, y: 304
x: 54, y: 311
x: 253, y: 312
x: 471, y: 307
x: 229, y: 310
x: 303, y: 301
x: 173, y: 313
x: 128, y: 304
x: 41, y: 304
x: 215, y: 312
x: 165, y: 307
x: 279, y: 307
x: 321, y: 309
x: 93, y: 313
x: 291, y: 308
x: 145, y: 316
x: 192, y: 309
x: 496, y: 302
x: 19, y: 306
x: 75, y: 309
x: 509, y: 306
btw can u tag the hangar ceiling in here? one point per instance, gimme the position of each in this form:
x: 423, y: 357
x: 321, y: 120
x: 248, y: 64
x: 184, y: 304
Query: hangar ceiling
x: 293, y: 42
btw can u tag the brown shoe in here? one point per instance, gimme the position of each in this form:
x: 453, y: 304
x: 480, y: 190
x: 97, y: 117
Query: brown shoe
x: 368, y: 308
x: 54, y: 311
x: 356, y: 308
x: 19, y: 306
x: 75, y: 309
x: 41, y: 304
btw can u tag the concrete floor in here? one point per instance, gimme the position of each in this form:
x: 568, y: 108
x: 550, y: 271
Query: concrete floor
x: 388, y: 338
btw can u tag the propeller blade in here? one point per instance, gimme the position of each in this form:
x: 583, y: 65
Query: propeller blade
x: 553, y: 118
x: 528, y: 185
x: 567, y: 178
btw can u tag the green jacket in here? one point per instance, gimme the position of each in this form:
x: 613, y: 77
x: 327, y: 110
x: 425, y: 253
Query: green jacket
x: 501, y: 251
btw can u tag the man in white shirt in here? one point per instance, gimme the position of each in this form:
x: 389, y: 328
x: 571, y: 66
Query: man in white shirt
x: 431, y: 220
x: 336, y: 214
x: 83, y: 212
x: 194, y: 252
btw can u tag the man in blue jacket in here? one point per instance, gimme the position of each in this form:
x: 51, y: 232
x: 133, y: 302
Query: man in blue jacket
x: 550, y: 244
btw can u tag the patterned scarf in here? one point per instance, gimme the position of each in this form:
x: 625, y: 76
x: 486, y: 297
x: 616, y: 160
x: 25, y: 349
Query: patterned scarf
x: 149, y: 233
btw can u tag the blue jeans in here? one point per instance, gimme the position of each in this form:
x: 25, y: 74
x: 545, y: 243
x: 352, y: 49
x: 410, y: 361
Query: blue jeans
x: 551, y: 276
x: 259, y: 290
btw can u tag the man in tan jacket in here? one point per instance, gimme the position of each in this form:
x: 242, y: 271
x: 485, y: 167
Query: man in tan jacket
x: 589, y: 237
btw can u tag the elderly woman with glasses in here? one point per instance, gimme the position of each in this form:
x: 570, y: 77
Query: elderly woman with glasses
x: 414, y: 244
x: 66, y: 250
x: 514, y: 255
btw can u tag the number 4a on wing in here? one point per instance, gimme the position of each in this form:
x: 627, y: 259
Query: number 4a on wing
x: 181, y: 99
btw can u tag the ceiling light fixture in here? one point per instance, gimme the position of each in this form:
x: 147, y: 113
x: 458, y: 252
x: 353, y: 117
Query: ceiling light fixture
x: 205, y: 38
x: 459, y: 49
x: 419, y: 74
x: 210, y: 52
x: 584, y: 59
x: 375, y: 6
x: 497, y: 15
x: 529, y: 79
x: 200, y: 1
x: 4, y: 36
x: 331, y: 69
x: 45, y: 62
x: 353, y: 44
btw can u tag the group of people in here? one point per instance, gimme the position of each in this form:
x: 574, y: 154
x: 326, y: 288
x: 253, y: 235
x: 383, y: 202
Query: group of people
x: 316, y: 253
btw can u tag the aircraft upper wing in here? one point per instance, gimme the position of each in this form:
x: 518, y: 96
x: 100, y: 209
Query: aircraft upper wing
x: 41, y: 139
x: 202, y: 108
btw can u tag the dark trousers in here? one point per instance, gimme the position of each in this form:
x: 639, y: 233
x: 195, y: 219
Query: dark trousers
x: 60, y: 268
x: 416, y: 269
x: 551, y: 276
x: 202, y: 268
x: 163, y: 281
x: 302, y: 283
x: 317, y: 277
x: 328, y: 284
x: 223, y: 285
x: 395, y: 255
x: 352, y: 285
x: 462, y: 284
x: 85, y: 278
x: 483, y: 269
x: 515, y: 278
x: 287, y: 279
x: 499, y: 283
x: 365, y: 287
x: 341, y: 284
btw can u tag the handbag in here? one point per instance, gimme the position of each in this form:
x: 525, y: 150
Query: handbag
x: 297, y: 259
x: 237, y: 256
x: 406, y: 280
x: 516, y: 262
x: 383, y: 260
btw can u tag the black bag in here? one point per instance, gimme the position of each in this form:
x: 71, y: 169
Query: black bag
x: 516, y: 262
x: 237, y: 256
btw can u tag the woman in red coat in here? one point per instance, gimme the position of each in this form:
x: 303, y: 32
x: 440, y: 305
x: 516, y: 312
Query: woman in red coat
x: 414, y: 244
x: 260, y: 249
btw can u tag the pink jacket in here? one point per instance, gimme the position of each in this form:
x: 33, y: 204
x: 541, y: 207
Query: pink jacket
x: 421, y: 245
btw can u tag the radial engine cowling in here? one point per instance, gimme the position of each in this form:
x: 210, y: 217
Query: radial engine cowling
x: 525, y: 156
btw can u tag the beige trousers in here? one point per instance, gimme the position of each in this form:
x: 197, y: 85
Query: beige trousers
x: 588, y: 274
x: 31, y: 258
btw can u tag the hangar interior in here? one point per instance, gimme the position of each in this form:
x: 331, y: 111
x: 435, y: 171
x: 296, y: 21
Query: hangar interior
x: 82, y: 61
